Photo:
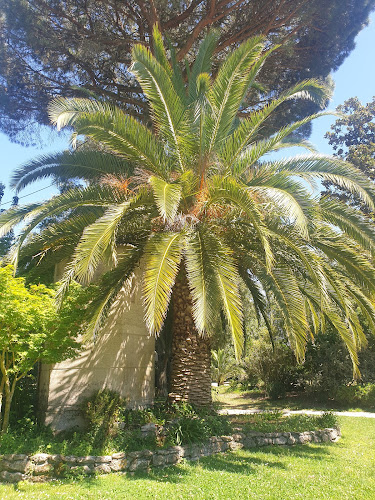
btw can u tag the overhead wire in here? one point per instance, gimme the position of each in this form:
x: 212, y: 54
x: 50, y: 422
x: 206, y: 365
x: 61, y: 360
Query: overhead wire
x: 26, y: 195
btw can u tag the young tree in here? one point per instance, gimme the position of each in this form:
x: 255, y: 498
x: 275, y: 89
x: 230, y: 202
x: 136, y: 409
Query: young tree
x: 32, y: 330
x: 50, y: 48
x: 193, y: 197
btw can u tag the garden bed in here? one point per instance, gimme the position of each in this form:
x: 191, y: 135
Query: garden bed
x: 42, y: 466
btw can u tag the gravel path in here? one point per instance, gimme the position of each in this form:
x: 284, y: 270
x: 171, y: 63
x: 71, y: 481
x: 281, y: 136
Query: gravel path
x: 238, y: 411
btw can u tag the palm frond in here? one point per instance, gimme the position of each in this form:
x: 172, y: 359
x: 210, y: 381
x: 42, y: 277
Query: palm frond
x: 162, y: 255
x: 333, y: 169
x: 346, y: 255
x: 247, y: 130
x: 15, y: 215
x: 259, y: 299
x: 311, y: 260
x: 61, y: 235
x: 228, y: 189
x: 255, y: 151
x: 341, y: 326
x: 91, y: 196
x: 295, y: 143
x: 231, y: 83
x: 167, y: 197
x: 228, y: 281
x: 98, y: 240
x: 108, y: 289
x: 349, y: 220
x: 87, y: 165
x: 123, y: 135
x: 159, y: 50
x: 177, y: 76
x: 365, y: 304
x: 288, y: 206
x: 283, y: 284
x: 200, y: 256
x: 65, y: 112
x: 202, y: 62
x: 167, y: 107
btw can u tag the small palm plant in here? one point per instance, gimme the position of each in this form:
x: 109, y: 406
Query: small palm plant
x: 223, y: 366
x: 194, y: 197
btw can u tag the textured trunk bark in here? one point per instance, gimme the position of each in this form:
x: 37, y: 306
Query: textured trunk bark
x: 191, y: 353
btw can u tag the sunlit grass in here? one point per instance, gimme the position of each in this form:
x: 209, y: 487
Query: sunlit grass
x: 225, y: 397
x: 275, y: 421
x: 342, y: 470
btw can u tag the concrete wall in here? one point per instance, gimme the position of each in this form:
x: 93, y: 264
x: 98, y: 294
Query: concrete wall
x: 121, y: 359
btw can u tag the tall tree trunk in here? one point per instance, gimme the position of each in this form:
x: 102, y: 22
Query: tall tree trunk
x: 191, y: 353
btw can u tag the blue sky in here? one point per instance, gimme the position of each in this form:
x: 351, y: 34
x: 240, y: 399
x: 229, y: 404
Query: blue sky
x: 356, y: 77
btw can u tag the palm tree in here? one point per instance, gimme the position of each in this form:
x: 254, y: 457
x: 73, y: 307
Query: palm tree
x: 193, y: 196
x: 223, y: 366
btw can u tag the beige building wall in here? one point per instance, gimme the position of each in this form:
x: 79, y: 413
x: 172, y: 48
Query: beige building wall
x: 121, y: 359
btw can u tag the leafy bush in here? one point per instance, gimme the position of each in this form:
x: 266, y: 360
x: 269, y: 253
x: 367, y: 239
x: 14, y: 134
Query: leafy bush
x: 327, y: 419
x: 274, y: 370
x: 328, y: 366
x: 362, y: 395
x: 136, y: 418
x: 182, y: 423
x: 102, y: 410
x: 32, y: 330
x: 188, y: 429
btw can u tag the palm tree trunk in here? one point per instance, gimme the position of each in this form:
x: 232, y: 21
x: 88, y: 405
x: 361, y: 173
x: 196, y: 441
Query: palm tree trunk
x: 191, y: 353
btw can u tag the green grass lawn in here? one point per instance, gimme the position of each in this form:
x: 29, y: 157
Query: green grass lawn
x: 342, y: 470
x: 225, y: 398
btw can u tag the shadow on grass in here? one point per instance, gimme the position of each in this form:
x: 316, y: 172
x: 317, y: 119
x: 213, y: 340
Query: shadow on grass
x: 244, y: 462
x: 315, y: 452
x: 293, y: 401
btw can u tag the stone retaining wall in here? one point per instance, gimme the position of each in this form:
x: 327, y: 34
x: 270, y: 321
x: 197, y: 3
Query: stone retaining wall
x: 14, y: 468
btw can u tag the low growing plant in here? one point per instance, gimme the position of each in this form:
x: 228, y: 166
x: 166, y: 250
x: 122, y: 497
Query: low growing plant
x: 102, y: 410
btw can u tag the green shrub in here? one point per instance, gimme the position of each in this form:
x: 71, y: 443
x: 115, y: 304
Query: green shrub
x: 102, y: 410
x: 366, y: 394
x: 218, y: 425
x: 327, y: 420
x: 362, y: 395
x: 328, y: 367
x: 182, y: 424
x: 274, y: 370
x: 193, y: 429
x: 137, y: 418
x: 187, y: 430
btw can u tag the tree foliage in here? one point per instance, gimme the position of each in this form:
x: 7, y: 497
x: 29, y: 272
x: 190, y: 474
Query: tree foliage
x: 6, y: 241
x: 195, y: 194
x: 32, y: 330
x: 352, y: 137
x: 50, y: 48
